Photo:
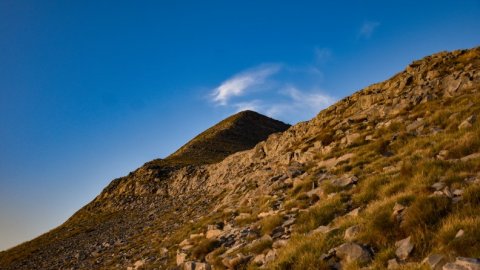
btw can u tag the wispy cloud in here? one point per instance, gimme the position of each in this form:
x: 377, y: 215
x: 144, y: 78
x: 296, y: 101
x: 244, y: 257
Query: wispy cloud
x: 367, y: 29
x: 242, y: 82
x: 290, y: 93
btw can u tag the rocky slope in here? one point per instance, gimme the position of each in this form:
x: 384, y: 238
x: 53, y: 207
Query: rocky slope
x: 386, y: 178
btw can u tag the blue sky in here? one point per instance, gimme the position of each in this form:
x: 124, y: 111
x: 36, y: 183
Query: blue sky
x: 91, y: 90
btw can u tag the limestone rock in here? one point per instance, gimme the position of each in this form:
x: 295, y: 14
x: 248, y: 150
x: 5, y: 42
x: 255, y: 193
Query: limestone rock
x: 393, y: 264
x: 404, y: 248
x: 435, y: 261
x: 351, y: 252
x: 352, y: 232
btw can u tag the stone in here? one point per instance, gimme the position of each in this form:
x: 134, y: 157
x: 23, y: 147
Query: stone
x: 404, y: 248
x: 398, y: 208
x: 458, y: 192
x: 468, y: 123
x: 435, y: 261
x: 447, y: 192
x: 234, y: 262
x: 181, y: 258
x: 259, y: 259
x: 323, y: 229
x: 138, y: 264
x: 460, y: 233
x: 415, y: 126
x: 393, y: 264
x: 354, y: 212
x: 213, y: 233
x: 351, y: 138
x: 352, y: 232
x: 469, y: 263
x: 271, y: 255
x: 438, y: 186
x: 344, y: 181
x: 279, y: 244
x: 454, y: 266
x: 196, y: 235
x: 185, y: 242
x: 351, y: 252
x: 196, y: 266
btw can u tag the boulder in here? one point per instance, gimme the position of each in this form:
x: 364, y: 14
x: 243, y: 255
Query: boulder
x: 435, y: 261
x: 213, y: 233
x: 469, y: 263
x: 351, y: 252
x: 181, y: 258
x: 271, y: 255
x: 234, y: 262
x: 344, y: 181
x: 259, y: 259
x: 404, y: 248
x: 460, y: 233
x: 352, y: 232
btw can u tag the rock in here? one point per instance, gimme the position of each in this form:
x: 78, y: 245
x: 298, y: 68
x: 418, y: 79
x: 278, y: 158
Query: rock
x: 181, y: 258
x: 317, y: 191
x: 271, y: 255
x: 351, y: 138
x: 344, y: 181
x: 279, y: 244
x: 469, y: 263
x: 470, y: 157
x: 259, y: 259
x: 404, y: 248
x: 442, y: 155
x: 242, y: 216
x: 460, y: 233
x: 438, y: 186
x: 213, y: 233
x: 458, y: 192
x: 354, y: 212
x: 266, y: 214
x: 138, y: 264
x: 435, y: 261
x: 323, y: 229
x: 398, y: 211
x: 196, y: 236
x: 454, y: 266
x: 468, y: 123
x: 288, y: 222
x: 185, y: 242
x: 415, y: 126
x: 234, y: 262
x: 196, y: 266
x: 447, y: 192
x: 393, y: 264
x: 351, y: 252
x: 352, y: 232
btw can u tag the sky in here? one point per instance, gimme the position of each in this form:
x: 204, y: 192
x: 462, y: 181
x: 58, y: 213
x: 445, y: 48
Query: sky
x: 91, y: 90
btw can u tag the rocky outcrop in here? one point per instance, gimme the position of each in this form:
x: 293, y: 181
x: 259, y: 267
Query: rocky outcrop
x: 245, y: 205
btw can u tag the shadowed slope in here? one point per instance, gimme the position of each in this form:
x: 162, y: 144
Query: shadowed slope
x: 238, y: 132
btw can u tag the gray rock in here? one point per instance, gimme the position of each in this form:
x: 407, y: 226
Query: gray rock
x: 351, y: 252
x: 435, y: 261
x: 352, y: 232
x: 344, y: 181
x: 404, y: 248
x: 453, y: 266
x: 393, y: 264
x: 469, y: 263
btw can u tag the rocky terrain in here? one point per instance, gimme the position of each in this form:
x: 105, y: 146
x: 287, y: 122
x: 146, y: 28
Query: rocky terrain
x: 388, y: 178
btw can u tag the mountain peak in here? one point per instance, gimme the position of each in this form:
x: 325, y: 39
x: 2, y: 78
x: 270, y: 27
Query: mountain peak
x: 238, y: 132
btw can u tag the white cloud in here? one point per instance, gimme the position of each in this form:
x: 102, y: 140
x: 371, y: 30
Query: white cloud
x: 367, y: 29
x: 289, y: 93
x: 240, y: 83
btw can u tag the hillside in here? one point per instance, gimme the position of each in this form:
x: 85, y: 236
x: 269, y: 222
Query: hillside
x: 388, y: 177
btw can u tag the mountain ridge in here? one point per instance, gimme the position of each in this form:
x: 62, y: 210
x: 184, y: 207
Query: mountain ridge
x: 294, y: 196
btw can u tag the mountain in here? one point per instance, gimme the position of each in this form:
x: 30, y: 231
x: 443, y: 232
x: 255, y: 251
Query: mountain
x: 388, y: 177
